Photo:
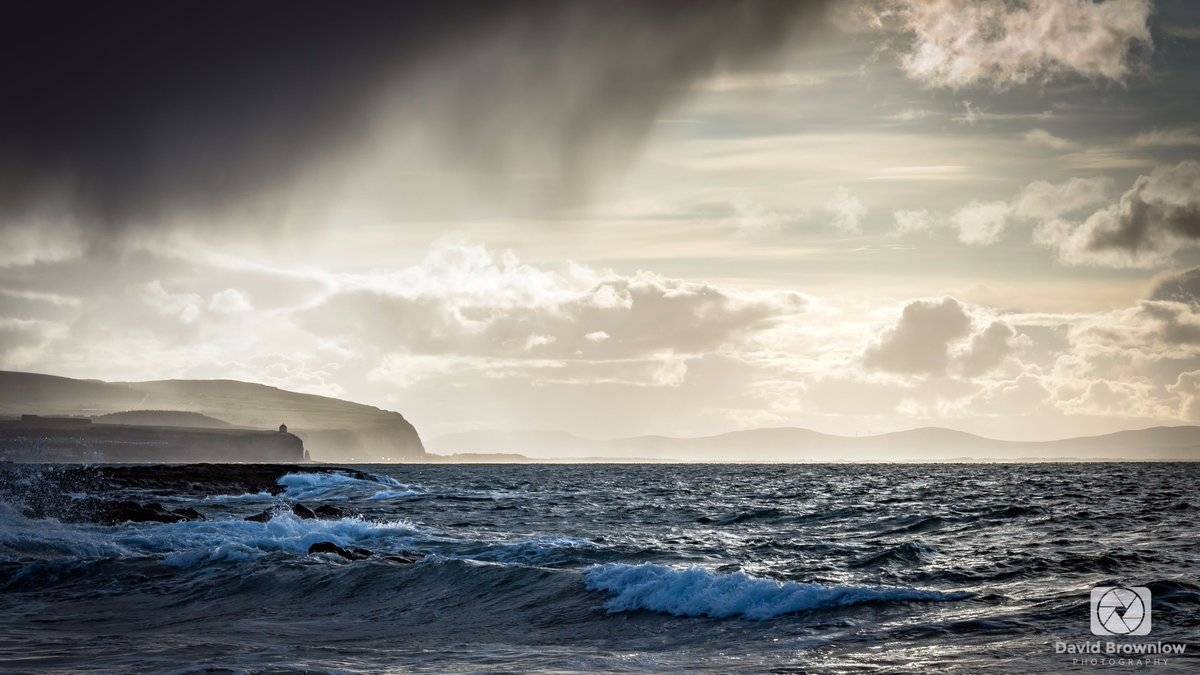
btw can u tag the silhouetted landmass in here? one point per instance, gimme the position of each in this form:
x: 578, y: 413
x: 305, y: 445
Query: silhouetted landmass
x: 806, y: 445
x: 162, y: 418
x: 39, y: 439
x: 332, y: 429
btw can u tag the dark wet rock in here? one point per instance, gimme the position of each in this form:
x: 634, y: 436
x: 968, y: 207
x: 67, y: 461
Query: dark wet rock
x: 299, y: 510
x: 348, y: 554
x: 189, y: 514
x: 362, y: 553
x: 124, y: 511
x: 328, y: 512
x: 263, y: 517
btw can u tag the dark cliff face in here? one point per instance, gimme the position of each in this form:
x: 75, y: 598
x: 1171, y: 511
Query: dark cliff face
x: 392, y: 442
x: 337, y: 430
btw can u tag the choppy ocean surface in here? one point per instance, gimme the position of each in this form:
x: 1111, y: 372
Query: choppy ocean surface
x: 619, y: 568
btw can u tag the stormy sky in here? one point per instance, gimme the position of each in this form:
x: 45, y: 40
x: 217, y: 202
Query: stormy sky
x: 616, y: 218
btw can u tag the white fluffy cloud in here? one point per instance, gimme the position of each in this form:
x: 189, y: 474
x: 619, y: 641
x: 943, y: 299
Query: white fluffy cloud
x: 987, y: 349
x: 957, y: 43
x: 958, y: 360
x: 1045, y: 139
x: 910, y: 222
x: 465, y: 301
x: 1023, y: 395
x: 1041, y: 200
x: 754, y: 219
x: 1187, y: 388
x: 847, y: 211
x: 183, y: 306
x: 981, y: 223
x: 1167, y: 138
x: 229, y: 301
x: 919, y: 342
x: 942, y: 337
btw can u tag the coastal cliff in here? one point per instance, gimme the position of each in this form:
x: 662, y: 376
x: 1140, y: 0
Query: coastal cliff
x: 332, y: 429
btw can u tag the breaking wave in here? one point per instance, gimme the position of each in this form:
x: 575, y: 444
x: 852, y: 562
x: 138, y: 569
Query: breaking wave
x: 337, y: 486
x: 695, y: 591
x: 186, y: 544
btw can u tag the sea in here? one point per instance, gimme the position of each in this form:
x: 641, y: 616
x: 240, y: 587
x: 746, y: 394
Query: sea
x: 618, y: 568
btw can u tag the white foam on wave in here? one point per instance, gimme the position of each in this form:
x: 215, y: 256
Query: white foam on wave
x: 377, y: 487
x: 340, y: 486
x: 248, y: 497
x: 21, y: 537
x: 695, y: 591
x: 191, y: 543
x: 185, y: 544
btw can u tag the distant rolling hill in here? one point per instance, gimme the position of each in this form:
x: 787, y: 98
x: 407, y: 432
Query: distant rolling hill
x: 162, y: 418
x: 805, y: 445
x: 332, y: 429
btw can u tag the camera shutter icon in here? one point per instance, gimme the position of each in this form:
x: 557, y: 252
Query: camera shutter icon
x: 1120, y: 610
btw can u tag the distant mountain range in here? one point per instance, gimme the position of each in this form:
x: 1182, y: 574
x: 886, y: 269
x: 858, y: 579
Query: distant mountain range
x: 806, y: 445
x: 332, y: 429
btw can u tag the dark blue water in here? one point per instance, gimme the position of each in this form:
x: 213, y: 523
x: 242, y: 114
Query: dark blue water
x: 619, y: 568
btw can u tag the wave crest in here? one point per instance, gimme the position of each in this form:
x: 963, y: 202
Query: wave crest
x: 695, y: 591
x: 186, y: 544
x: 341, y: 487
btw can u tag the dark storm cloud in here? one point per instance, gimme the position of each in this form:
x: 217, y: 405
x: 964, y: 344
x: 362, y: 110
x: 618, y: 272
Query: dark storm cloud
x: 126, y: 112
